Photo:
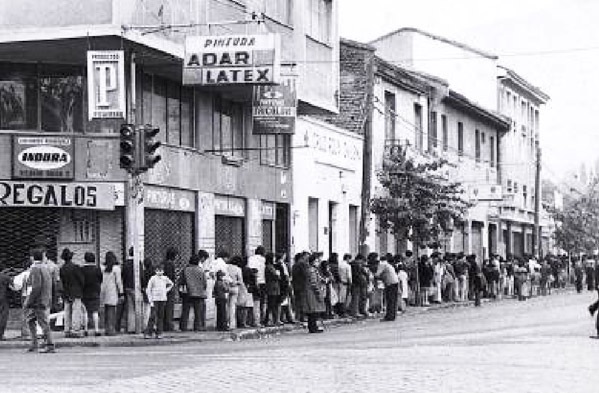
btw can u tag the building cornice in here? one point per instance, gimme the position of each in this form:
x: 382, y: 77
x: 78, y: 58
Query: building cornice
x: 460, y: 102
x: 523, y: 84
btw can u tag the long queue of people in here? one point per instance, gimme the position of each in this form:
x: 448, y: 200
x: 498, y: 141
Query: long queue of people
x: 265, y: 289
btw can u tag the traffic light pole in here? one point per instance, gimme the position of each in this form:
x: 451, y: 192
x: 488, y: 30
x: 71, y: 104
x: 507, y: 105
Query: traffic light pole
x: 135, y: 238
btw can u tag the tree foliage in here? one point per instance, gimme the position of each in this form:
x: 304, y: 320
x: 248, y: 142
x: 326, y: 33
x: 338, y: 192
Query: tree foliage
x: 577, y: 224
x: 418, y: 203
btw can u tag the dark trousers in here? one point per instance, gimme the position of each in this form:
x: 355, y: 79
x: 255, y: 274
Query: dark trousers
x: 109, y: 319
x: 272, y: 309
x: 156, y: 322
x: 169, y: 312
x: 286, y: 315
x: 358, y: 300
x: 391, y: 292
x: 199, y: 313
x: 221, y: 314
x: 120, y: 312
x: 3, y: 318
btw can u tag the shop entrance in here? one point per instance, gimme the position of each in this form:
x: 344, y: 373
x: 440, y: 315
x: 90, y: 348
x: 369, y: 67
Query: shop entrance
x: 167, y: 228
x: 230, y: 235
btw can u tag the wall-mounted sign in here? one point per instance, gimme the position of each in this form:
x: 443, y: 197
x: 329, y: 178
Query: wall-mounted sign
x: 232, y: 59
x: 169, y: 199
x: 275, y: 107
x: 332, y: 147
x: 268, y: 210
x: 229, y: 206
x: 43, y: 157
x: 71, y: 195
x: 485, y: 192
x: 106, y: 84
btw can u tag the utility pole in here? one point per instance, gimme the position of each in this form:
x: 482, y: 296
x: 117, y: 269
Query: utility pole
x: 536, y: 247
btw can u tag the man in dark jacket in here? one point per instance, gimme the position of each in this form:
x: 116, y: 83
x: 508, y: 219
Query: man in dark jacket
x: 359, y: 288
x: 5, y: 281
x: 298, y: 280
x: 170, y: 272
x: 37, y: 305
x: 73, y: 282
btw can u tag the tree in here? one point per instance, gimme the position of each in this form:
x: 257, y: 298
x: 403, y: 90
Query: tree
x: 418, y: 203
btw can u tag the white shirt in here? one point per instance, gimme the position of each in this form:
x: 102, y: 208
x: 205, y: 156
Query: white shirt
x: 219, y: 265
x: 258, y: 262
x: 345, y: 272
x: 403, y: 283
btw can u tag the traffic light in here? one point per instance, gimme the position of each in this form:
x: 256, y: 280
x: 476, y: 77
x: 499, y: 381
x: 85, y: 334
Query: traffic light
x: 128, y: 147
x: 149, y: 146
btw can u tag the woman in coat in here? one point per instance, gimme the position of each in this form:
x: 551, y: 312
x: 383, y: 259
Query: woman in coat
x: 111, y: 291
x: 273, y: 290
x: 314, y: 293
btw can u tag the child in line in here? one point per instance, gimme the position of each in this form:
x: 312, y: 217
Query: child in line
x: 157, y: 290
x: 220, y: 297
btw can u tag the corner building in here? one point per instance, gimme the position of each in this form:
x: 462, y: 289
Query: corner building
x: 217, y: 187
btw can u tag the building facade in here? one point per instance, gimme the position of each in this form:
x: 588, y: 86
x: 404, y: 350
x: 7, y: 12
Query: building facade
x: 218, y: 186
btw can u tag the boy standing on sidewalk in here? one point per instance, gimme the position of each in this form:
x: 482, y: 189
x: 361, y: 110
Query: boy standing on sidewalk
x: 157, y: 291
x: 220, y: 297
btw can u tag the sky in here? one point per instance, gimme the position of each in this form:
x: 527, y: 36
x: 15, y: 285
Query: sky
x: 554, y: 44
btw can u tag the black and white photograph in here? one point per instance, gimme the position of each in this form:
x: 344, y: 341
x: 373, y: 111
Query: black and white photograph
x: 299, y: 196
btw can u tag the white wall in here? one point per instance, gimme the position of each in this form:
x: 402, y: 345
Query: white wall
x: 329, y: 169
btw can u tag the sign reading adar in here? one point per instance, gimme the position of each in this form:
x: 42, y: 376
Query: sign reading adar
x: 43, y: 157
x: 275, y: 108
x: 232, y: 59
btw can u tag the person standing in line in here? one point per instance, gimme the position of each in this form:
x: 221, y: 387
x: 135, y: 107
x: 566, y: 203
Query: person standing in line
x: 359, y: 289
x: 298, y: 281
x: 257, y: 263
x: 329, y: 301
x: 273, y: 290
x: 146, y: 274
x: 314, y: 293
x: 426, y: 273
x: 128, y: 280
x: 404, y: 288
x: 244, y: 297
x: 19, y: 284
x: 286, y: 316
x: 385, y: 272
x: 91, y: 291
x: 111, y: 291
x: 170, y: 272
x: 235, y: 281
x: 5, y: 282
x: 194, y: 282
x: 343, y: 284
x: 73, y: 281
x: 477, y: 278
x: 219, y: 292
x: 461, y: 272
x: 157, y: 291
x: 38, y: 302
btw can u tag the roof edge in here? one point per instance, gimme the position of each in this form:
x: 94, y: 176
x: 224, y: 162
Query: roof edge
x: 542, y: 96
x: 356, y: 44
x: 488, y: 115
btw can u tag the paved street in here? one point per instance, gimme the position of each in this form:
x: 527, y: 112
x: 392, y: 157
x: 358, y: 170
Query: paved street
x: 541, y: 345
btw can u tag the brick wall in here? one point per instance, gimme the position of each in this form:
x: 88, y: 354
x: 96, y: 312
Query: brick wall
x: 356, y: 62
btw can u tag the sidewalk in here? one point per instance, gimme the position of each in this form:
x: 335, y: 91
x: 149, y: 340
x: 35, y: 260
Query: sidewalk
x: 170, y: 338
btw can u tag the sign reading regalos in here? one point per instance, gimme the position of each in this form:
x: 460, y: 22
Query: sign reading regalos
x: 72, y: 195
x: 106, y: 84
x: 232, y: 59
x: 275, y: 108
x: 43, y: 157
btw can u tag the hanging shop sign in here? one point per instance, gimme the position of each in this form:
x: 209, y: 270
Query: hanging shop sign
x: 485, y: 192
x: 275, y: 107
x: 43, y: 157
x: 232, y: 59
x: 169, y: 199
x: 106, y: 84
x: 69, y: 195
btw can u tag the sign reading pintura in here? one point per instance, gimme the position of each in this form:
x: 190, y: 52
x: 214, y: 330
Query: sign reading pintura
x: 232, y: 59
x: 43, y: 157
x: 69, y: 195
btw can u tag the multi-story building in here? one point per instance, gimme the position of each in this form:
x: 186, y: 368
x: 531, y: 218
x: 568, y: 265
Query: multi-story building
x: 476, y: 74
x: 423, y: 114
x: 219, y: 186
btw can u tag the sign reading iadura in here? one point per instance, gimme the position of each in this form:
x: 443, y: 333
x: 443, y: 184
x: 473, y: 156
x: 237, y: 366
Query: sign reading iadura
x: 232, y: 59
x: 43, y: 157
x: 70, y: 195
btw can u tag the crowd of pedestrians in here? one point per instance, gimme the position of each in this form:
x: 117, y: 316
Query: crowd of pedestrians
x: 265, y: 289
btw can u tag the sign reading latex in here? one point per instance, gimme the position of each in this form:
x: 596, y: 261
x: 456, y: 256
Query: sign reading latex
x: 106, y: 84
x: 73, y: 195
x: 43, y: 157
x: 232, y: 59
x: 275, y: 108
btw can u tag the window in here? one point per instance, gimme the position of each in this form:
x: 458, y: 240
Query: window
x: 445, y: 133
x: 320, y: 21
x: 515, y: 187
x: 525, y: 195
x: 390, y: 116
x: 477, y: 145
x: 279, y: 10
x: 227, y: 127
x: 275, y: 150
x: 492, y: 151
x: 483, y: 138
x: 432, y: 132
x: 418, y: 124
x: 18, y: 103
x: 460, y: 138
x: 509, y: 186
x: 169, y: 106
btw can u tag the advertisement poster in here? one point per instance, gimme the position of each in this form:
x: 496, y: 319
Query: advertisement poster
x: 274, y: 108
x: 48, y: 157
